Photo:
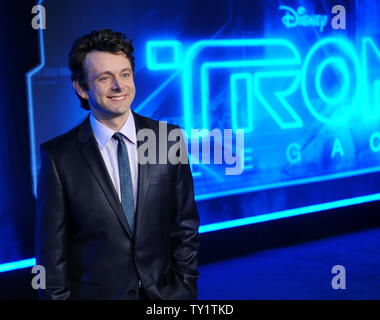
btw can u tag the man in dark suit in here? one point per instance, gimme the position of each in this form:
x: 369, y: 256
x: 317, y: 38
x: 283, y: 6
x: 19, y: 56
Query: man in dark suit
x: 109, y: 225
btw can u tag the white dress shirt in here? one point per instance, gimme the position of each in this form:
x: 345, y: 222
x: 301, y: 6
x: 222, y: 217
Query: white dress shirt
x: 108, y: 148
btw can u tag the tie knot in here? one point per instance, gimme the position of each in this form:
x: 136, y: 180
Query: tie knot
x: 118, y: 136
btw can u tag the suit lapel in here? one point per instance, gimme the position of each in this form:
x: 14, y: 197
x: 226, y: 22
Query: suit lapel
x: 144, y: 175
x: 91, y: 154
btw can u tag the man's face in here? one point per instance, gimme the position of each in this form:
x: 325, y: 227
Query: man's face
x: 111, y: 89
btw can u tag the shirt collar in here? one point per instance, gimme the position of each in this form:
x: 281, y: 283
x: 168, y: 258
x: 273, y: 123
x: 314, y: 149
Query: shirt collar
x: 104, y: 134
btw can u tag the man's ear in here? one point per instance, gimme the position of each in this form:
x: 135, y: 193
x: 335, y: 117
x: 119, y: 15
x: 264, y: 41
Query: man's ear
x: 82, y: 93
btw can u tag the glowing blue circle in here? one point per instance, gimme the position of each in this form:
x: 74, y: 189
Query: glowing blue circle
x: 375, y: 148
x: 348, y: 51
x: 341, y: 65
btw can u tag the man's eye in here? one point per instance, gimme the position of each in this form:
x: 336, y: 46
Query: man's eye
x: 103, y: 78
x: 125, y: 75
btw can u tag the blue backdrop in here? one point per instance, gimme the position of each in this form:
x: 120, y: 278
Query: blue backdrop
x: 305, y: 94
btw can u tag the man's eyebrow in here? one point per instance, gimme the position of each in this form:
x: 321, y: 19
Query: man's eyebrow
x: 110, y: 73
x: 103, y: 73
x: 126, y: 69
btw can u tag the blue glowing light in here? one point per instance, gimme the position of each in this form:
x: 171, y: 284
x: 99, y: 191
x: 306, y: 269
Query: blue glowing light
x: 288, y: 213
x: 153, y: 49
x: 271, y: 77
x: 236, y: 106
x: 21, y: 264
x: 371, y: 87
x: 346, y: 49
x: 337, y: 148
x: 340, y: 64
x: 292, y: 57
x: 293, y: 153
x: 374, y: 142
x: 32, y: 134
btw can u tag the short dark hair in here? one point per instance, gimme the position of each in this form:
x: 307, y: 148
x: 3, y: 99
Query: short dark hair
x: 103, y: 40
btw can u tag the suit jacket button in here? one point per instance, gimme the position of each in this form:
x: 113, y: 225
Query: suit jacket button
x: 131, y: 292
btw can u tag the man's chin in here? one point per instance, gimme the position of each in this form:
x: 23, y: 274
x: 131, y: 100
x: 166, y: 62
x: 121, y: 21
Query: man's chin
x: 109, y: 113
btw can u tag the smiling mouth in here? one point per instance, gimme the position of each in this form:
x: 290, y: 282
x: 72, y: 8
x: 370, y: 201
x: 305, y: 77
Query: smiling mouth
x: 118, y: 98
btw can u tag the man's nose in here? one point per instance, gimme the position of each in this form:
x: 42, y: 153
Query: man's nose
x: 116, y: 85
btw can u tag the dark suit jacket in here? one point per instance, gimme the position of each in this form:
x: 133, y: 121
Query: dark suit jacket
x: 82, y: 236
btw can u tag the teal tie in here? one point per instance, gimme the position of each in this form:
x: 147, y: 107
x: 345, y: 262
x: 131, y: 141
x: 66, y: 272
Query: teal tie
x: 126, y: 188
